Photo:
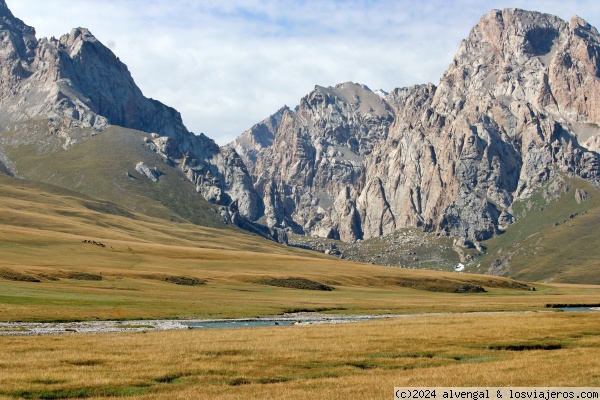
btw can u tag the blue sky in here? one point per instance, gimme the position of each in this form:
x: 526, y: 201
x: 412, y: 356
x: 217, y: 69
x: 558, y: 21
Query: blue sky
x: 228, y: 64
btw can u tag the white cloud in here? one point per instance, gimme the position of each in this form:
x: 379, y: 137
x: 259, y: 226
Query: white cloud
x: 228, y: 64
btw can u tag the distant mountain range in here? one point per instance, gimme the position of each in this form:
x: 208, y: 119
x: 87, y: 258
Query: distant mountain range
x: 517, y: 112
x: 519, y: 104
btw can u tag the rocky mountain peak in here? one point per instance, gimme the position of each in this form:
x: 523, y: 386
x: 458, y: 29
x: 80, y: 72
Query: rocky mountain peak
x: 76, y: 83
x: 77, y: 38
x: 8, y: 21
x: 18, y: 43
x: 518, y: 104
x: 382, y: 93
x: 582, y: 28
x: 360, y: 96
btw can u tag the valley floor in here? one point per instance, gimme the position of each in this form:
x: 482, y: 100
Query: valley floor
x: 363, y: 360
x: 70, y: 261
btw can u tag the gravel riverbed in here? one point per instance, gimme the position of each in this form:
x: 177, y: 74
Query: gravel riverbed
x: 55, y: 328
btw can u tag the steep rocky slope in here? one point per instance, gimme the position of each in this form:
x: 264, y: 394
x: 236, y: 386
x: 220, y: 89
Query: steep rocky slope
x: 518, y: 105
x: 77, y: 88
x: 309, y: 164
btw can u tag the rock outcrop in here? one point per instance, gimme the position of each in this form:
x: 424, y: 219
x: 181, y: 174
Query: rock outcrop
x: 518, y: 104
x: 151, y: 173
x: 76, y: 82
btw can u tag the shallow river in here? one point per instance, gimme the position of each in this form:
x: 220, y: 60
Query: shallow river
x: 45, y: 328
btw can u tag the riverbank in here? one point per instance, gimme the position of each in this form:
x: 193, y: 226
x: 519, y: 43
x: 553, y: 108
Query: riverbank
x: 305, y: 318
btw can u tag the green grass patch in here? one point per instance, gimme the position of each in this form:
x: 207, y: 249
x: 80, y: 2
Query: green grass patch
x: 80, y: 393
x: 554, y: 239
x: 47, y: 381
x: 170, y: 378
x: 363, y: 364
x: 393, y: 355
x: 275, y: 379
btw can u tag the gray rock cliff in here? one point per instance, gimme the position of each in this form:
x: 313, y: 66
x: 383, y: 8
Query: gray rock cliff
x: 76, y: 82
x: 312, y: 167
x: 518, y: 104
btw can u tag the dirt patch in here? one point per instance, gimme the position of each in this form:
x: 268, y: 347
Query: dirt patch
x: 84, y: 363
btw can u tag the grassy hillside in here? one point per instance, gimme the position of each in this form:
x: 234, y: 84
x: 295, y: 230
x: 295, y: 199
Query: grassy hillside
x: 69, y: 257
x: 103, y: 166
x: 556, y: 238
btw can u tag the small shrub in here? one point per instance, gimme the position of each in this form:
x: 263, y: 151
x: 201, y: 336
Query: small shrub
x: 84, y: 276
x: 185, y: 280
x: 176, y: 279
x: 527, y: 346
x: 10, y: 275
x: 239, y: 381
x: 85, y: 363
x: 362, y: 365
x: 295, y: 283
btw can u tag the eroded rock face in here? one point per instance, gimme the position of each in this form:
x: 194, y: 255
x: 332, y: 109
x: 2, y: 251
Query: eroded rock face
x: 518, y: 105
x: 77, y: 82
x: 308, y: 164
x: 511, y: 123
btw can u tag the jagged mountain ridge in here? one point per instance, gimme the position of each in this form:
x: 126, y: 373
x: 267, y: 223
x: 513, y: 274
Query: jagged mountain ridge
x: 76, y: 83
x: 518, y: 104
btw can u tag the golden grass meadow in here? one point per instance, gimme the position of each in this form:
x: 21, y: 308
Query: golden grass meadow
x: 363, y: 360
x: 67, y: 257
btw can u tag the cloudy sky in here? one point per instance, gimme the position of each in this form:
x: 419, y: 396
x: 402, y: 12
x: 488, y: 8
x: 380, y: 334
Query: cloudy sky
x: 228, y: 64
